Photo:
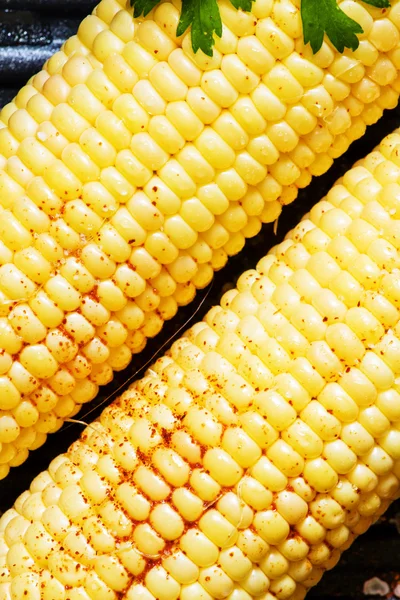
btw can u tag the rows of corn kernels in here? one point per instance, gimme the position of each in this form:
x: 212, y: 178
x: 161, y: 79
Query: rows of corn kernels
x: 132, y: 168
x: 252, y: 454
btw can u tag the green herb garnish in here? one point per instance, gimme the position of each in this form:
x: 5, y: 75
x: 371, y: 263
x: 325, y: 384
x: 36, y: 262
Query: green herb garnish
x: 322, y: 17
x: 319, y: 17
x: 143, y: 7
x: 204, y: 19
x: 378, y: 3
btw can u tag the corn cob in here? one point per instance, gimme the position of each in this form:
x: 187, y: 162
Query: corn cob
x: 131, y: 168
x: 258, y: 448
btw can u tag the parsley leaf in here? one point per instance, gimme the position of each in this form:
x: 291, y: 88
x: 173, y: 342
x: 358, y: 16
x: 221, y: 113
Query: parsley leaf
x: 202, y: 16
x: 319, y: 17
x: 243, y: 4
x: 143, y: 7
x: 378, y: 3
x: 325, y: 16
x: 205, y: 19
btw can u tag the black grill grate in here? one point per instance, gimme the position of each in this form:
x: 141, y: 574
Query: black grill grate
x: 30, y: 32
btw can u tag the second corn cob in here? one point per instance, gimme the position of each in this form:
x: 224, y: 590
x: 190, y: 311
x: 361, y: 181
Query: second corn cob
x: 251, y: 455
x: 131, y: 168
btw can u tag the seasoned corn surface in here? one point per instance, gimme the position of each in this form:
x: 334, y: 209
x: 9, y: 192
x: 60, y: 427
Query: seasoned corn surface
x: 252, y: 454
x: 131, y: 168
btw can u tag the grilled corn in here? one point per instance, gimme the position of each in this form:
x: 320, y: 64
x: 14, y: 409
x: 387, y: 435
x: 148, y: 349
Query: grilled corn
x: 258, y: 448
x: 131, y: 168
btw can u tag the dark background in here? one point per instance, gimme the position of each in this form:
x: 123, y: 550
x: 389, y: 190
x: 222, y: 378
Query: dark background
x: 30, y: 32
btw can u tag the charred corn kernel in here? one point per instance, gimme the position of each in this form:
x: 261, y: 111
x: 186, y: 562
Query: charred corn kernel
x: 127, y: 104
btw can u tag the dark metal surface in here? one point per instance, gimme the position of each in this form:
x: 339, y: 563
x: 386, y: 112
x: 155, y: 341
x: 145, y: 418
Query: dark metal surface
x: 74, y: 8
x: 30, y: 32
x: 25, y: 46
x: 26, y: 40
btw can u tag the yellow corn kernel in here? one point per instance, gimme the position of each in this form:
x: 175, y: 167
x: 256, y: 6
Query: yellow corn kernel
x: 197, y: 134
